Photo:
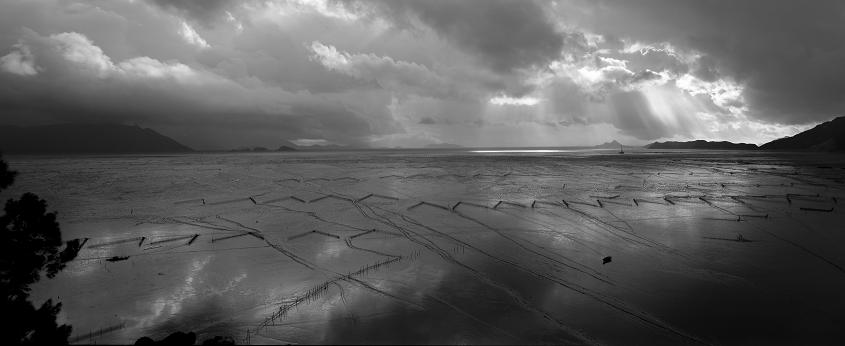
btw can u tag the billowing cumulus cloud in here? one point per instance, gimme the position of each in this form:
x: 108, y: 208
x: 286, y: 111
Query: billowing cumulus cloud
x: 223, y: 74
x: 20, y: 61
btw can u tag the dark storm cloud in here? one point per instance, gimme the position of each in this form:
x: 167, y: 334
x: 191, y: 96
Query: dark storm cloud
x: 215, y: 72
x: 788, y: 54
x: 504, y: 34
x: 66, y: 78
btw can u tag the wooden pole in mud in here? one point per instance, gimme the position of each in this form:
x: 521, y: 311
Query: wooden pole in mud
x: 817, y: 209
x: 456, y: 205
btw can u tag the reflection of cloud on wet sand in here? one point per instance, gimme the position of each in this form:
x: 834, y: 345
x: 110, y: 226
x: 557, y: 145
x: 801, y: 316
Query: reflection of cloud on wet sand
x: 172, y: 304
x: 201, y: 304
x: 459, y: 308
x: 517, y: 274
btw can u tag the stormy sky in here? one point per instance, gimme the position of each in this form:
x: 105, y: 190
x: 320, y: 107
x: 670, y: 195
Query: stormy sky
x: 219, y: 74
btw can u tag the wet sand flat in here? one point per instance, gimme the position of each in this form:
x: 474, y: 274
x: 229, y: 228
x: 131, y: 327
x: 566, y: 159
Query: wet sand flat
x: 450, y: 246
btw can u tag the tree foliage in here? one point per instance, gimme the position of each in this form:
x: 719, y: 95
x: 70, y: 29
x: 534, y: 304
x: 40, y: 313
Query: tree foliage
x: 7, y: 177
x: 30, y: 243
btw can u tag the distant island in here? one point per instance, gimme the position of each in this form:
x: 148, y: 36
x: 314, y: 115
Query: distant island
x: 827, y: 136
x: 323, y: 147
x: 250, y: 150
x: 701, y: 144
x: 609, y: 145
x: 261, y: 149
x: 86, y: 139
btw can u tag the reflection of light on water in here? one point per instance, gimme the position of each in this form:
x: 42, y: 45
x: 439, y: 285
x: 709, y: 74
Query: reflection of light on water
x: 174, y: 301
x: 330, y: 250
x: 538, y: 151
x: 525, y: 151
x: 82, y: 268
x: 98, y: 248
x: 93, y: 250
x: 230, y: 285
x: 563, y: 240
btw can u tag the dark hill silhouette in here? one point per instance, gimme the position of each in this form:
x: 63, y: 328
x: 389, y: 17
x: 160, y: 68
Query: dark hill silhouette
x: 609, y: 145
x: 250, y: 150
x: 702, y: 144
x: 827, y: 136
x: 85, y: 139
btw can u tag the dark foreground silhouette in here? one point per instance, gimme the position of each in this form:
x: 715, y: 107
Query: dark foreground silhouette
x: 180, y: 338
x: 30, y: 240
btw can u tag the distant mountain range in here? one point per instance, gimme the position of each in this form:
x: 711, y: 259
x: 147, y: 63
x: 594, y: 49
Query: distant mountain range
x: 117, y: 139
x: 828, y: 136
x: 85, y: 139
x: 700, y: 144
x: 262, y: 149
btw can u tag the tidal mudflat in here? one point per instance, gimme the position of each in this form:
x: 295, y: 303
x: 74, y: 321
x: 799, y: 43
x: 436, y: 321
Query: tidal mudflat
x: 450, y: 246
